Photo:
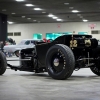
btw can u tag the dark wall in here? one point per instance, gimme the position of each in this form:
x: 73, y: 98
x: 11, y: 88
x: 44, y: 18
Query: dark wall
x: 3, y: 27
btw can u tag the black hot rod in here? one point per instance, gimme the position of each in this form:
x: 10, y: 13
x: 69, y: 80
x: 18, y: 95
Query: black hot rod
x: 59, y: 58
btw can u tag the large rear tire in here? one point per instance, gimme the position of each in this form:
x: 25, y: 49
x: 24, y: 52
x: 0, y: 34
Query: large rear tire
x: 60, y: 61
x: 3, y: 63
x: 96, y: 68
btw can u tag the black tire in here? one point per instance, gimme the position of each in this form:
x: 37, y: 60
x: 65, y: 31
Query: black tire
x: 3, y: 63
x: 60, y: 61
x: 96, y: 68
x: 17, y: 53
x: 70, y: 73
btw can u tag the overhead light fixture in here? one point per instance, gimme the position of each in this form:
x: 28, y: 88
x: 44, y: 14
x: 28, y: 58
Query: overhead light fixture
x: 37, y: 9
x: 10, y: 22
x: 23, y: 16
x: 50, y: 15
x: 20, y: 0
x: 66, y: 3
x: 43, y: 12
x: 85, y: 20
x: 4, y: 10
x: 59, y: 19
x: 29, y: 5
x: 28, y: 18
x: 13, y: 13
x: 71, y: 7
x: 75, y: 11
x: 54, y: 17
x: 34, y: 20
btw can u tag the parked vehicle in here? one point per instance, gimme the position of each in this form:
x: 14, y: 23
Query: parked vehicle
x: 99, y: 42
x: 25, y: 43
x: 59, y: 58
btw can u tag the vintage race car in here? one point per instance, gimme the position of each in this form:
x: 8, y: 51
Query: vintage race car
x: 59, y: 58
x: 25, y: 43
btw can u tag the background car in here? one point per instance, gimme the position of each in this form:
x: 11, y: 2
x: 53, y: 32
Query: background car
x: 25, y: 43
x: 99, y: 42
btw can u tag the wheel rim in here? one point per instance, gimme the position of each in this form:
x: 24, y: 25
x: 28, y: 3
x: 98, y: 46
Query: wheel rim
x: 57, y: 62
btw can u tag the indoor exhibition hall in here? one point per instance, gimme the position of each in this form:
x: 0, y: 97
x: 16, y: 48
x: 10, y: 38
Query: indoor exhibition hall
x: 49, y: 49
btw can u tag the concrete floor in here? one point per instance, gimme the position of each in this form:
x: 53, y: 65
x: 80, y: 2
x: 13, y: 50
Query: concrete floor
x: 82, y: 85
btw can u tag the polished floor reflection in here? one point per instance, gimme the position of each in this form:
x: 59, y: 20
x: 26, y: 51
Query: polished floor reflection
x: 82, y: 85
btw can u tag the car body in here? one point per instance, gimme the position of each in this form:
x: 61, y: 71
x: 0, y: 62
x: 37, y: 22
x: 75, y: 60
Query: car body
x: 99, y: 42
x: 25, y: 43
x: 60, y: 57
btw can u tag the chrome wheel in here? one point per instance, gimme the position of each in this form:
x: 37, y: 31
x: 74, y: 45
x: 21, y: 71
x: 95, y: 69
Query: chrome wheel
x: 57, y: 62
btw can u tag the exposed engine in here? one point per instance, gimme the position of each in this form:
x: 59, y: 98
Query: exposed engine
x: 84, y: 43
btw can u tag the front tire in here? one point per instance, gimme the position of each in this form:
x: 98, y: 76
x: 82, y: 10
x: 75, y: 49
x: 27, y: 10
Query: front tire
x: 3, y: 63
x: 60, y: 61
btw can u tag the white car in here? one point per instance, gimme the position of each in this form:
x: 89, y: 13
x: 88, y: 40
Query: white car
x: 26, y: 43
x: 99, y: 42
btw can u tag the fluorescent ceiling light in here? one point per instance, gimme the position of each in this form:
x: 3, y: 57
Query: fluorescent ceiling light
x: 75, y: 11
x: 4, y: 10
x: 37, y: 9
x: 85, y: 20
x: 71, y: 7
x: 13, y: 13
x: 54, y: 17
x: 66, y: 3
x: 43, y: 12
x: 10, y: 22
x: 23, y: 16
x: 19, y: 0
x: 34, y: 20
x: 29, y: 5
x: 50, y: 15
x: 28, y: 18
x: 59, y: 19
